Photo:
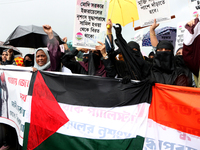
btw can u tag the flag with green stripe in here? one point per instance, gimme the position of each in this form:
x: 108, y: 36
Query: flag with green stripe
x: 85, y: 112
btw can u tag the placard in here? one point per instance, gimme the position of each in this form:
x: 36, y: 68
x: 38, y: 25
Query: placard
x: 149, y: 10
x: 90, y: 23
x: 180, y: 35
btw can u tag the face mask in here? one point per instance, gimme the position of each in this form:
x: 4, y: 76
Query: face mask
x: 179, y: 60
x: 28, y: 63
x: 164, y: 61
x: 96, y: 60
x: 85, y: 60
x: 150, y: 60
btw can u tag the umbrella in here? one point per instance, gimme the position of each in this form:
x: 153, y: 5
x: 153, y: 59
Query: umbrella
x: 123, y: 11
x: 29, y: 36
x: 166, y: 33
x: 3, y: 47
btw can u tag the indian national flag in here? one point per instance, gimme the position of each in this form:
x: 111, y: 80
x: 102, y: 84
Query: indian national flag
x: 86, y: 113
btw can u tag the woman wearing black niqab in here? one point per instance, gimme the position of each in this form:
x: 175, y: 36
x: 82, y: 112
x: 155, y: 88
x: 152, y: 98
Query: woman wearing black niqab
x: 29, y: 60
x: 161, y: 71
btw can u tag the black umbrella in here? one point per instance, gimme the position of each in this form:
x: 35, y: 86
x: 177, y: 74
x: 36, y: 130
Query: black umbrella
x: 3, y: 47
x: 29, y: 36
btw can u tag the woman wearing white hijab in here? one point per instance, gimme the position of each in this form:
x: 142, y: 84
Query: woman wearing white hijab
x: 48, y: 60
x: 42, y: 59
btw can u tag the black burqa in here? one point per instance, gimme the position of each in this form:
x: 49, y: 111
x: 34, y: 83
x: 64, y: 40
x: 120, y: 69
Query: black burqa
x: 119, y: 65
x: 93, y: 66
x: 137, y: 67
x: 183, y: 71
x: 161, y: 71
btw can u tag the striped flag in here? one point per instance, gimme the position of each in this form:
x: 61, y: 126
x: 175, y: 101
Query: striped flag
x: 174, y: 119
x: 85, y: 112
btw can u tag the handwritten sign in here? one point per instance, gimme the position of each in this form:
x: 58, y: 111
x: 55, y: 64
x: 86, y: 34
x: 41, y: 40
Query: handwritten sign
x: 194, y: 7
x: 180, y: 35
x: 90, y: 23
x: 149, y: 10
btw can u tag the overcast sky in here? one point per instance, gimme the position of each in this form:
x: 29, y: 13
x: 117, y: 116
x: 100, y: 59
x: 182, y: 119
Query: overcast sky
x: 60, y: 15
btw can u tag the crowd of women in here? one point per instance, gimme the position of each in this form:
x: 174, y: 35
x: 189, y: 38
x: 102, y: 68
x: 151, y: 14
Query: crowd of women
x: 127, y: 62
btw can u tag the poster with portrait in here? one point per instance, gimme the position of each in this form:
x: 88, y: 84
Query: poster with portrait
x: 149, y: 10
x: 14, y: 85
x: 90, y: 23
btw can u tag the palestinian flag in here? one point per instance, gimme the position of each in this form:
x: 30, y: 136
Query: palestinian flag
x: 174, y: 119
x: 85, y: 113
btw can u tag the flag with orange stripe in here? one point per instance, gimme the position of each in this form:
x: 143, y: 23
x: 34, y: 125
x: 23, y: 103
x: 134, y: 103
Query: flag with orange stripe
x: 174, y: 120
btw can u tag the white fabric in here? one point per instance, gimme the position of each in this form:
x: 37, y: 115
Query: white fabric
x: 189, y: 38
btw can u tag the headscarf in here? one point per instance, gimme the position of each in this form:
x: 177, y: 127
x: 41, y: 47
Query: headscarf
x: 179, y: 49
x: 85, y: 58
x: 29, y: 63
x: 151, y: 54
x: 163, y: 70
x: 45, y: 66
x: 164, y: 60
x: 183, y: 70
x: 94, y: 66
x: 135, y: 45
x: 13, y: 56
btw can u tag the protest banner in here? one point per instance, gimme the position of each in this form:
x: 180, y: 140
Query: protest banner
x: 149, y: 10
x: 65, y: 112
x: 194, y: 7
x: 90, y: 23
x: 180, y: 35
x: 14, y: 87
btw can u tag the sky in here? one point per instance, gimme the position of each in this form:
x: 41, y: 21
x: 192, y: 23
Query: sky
x: 60, y: 15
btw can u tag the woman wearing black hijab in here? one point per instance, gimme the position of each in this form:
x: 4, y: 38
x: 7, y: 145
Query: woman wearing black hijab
x: 97, y: 64
x: 29, y: 60
x: 161, y: 71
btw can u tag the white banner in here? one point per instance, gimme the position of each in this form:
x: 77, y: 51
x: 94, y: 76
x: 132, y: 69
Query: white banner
x: 194, y: 7
x: 180, y: 35
x: 90, y: 23
x: 160, y: 137
x: 13, y: 97
x: 149, y: 10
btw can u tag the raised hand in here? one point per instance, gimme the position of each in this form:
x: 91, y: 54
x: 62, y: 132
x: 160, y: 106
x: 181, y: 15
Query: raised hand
x: 118, y: 28
x: 192, y: 22
x: 83, y: 50
x: 65, y: 39
x: 10, y: 53
x: 154, y: 25
x: 109, y: 26
x: 102, y: 49
x: 48, y: 30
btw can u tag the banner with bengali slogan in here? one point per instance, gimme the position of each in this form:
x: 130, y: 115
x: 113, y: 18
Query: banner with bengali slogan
x: 49, y: 111
x: 180, y: 35
x: 14, y: 85
x: 194, y: 7
x: 90, y: 23
x: 149, y: 10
